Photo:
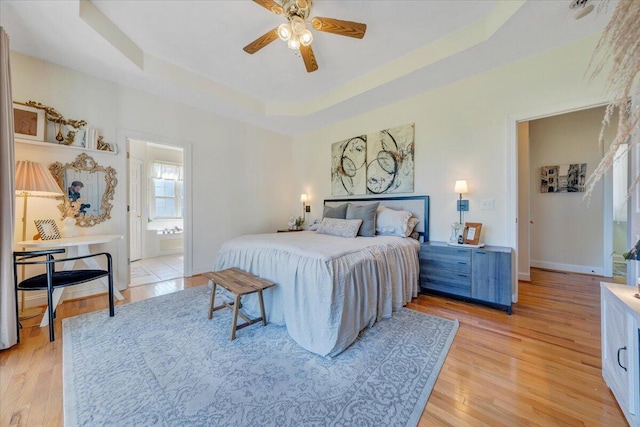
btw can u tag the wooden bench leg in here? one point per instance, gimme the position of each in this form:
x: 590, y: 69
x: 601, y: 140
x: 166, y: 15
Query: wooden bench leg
x: 264, y: 318
x: 235, y: 317
x: 213, y: 298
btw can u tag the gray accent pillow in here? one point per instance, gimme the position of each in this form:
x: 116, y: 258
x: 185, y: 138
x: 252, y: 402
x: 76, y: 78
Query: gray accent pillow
x: 339, y: 227
x: 367, y: 213
x: 339, y: 211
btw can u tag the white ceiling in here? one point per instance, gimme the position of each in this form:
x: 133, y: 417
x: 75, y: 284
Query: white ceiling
x: 191, y: 51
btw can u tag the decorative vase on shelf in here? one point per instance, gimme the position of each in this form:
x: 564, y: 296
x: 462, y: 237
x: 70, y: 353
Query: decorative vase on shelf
x: 455, y: 232
x: 69, y: 229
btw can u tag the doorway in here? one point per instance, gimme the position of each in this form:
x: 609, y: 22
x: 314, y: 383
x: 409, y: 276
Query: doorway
x: 156, y: 212
x: 564, y: 231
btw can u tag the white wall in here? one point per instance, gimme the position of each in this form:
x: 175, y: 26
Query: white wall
x: 461, y: 133
x: 242, y: 175
x: 567, y: 230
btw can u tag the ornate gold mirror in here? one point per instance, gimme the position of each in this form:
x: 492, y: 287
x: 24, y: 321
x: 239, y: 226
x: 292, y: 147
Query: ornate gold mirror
x: 88, y: 184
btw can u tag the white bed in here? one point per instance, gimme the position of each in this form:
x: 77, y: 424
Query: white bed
x: 328, y: 288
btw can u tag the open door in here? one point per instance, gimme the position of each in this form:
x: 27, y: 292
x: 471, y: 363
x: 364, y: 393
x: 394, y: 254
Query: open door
x: 135, y: 210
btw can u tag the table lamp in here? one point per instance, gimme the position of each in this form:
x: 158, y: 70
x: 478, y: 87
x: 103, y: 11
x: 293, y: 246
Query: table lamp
x: 32, y: 180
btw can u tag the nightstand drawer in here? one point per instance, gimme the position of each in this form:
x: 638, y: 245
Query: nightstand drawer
x: 445, y: 251
x: 444, y: 281
x: 451, y: 261
x: 449, y: 264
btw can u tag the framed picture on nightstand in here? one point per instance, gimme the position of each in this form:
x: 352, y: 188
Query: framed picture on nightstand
x: 471, y: 234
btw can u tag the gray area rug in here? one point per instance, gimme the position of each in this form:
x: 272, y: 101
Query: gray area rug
x: 161, y: 362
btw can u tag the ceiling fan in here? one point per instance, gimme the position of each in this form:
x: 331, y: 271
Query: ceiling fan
x: 295, y: 32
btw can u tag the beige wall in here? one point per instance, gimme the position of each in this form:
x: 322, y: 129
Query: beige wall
x: 242, y: 175
x: 461, y: 133
x: 567, y: 230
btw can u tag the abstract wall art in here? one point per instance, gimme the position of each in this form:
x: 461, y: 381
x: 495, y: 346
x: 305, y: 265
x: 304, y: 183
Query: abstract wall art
x: 349, y: 166
x: 567, y: 178
x: 377, y: 163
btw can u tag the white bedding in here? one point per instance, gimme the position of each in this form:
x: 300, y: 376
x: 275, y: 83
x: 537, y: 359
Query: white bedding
x: 328, y: 288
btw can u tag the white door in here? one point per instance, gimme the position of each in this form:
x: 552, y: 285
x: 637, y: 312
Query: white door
x: 525, y: 222
x: 135, y: 209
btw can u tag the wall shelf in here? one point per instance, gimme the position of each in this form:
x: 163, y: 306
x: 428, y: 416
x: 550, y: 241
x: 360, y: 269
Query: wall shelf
x: 62, y: 146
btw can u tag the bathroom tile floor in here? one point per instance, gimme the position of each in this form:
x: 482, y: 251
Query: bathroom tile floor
x: 152, y: 270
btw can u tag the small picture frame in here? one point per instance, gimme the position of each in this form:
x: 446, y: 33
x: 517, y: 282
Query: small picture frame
x: 471, y: 234
x: 47, y: 228
x: 29, y: 122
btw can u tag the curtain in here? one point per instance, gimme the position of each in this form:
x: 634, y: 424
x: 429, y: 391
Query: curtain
x: 165, y: 170
x: 8, y: 336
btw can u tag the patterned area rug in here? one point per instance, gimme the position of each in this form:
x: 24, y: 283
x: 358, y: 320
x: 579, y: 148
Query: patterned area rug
x: 162, y: 362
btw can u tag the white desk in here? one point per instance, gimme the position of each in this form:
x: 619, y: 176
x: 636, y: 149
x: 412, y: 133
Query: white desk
x: 76, y: 246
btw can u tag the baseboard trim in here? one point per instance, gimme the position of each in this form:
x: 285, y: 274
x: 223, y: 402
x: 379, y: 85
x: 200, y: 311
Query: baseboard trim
x: 526, y: 277
x: 571, y: 268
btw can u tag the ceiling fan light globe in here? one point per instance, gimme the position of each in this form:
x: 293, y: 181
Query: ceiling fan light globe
x: 284, y: 31
x: 302, y: 4
x: 293, y: 43
x: 306, y: 38
x: 297, y: 25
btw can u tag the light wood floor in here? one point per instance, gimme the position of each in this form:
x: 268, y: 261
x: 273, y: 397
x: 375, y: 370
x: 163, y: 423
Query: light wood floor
x: 538, y: 367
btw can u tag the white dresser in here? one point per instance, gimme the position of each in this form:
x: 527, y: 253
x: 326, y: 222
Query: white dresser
x: 620, y: 346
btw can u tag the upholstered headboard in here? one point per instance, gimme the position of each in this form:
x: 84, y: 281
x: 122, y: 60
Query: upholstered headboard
x: 417, y: 205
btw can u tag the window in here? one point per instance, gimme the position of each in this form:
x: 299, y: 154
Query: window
x: 166, y: 190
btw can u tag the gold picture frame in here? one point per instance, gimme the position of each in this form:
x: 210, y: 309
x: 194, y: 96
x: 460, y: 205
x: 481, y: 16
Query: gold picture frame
x: 29, y: 122
x: 471, y: 234
x: 47, y: 228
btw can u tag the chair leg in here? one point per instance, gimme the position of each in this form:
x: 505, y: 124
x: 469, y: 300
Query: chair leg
x: 51, y: 313
x: 111, y: 309
x: 17, y: 317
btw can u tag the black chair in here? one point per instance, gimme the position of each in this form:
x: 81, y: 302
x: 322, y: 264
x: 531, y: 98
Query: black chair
x: 53, y: 279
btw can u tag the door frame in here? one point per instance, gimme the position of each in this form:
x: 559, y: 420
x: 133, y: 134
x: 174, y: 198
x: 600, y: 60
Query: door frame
x: 124, y: 135
x: 139, y: 201
x: 512, y: 177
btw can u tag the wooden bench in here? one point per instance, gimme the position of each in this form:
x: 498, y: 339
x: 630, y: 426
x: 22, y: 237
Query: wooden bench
x: 239, y: 283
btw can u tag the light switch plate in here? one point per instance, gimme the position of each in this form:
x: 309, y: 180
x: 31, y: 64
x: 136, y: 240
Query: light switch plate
x: 487, y: 204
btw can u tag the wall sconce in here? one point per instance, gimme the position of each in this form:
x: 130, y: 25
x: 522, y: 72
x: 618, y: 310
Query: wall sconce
x: 305, y: 207
x: 462, y: 188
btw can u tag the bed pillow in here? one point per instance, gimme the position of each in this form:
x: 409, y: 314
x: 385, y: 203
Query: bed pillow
x: 339, y: 211
x: 339, y: 227
x: 411, y: 225
x: 391, y: 222
x: 367, y: 213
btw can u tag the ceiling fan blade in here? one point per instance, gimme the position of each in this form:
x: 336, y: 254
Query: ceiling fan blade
x: 261, y: 41
x: 309, y: 58
x: 337, y: 26
x: 270, y: 5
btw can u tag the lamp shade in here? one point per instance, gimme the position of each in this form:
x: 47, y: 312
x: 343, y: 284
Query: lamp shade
x: 461, y: 187
x: 34, y: 179
x: 303, y: 198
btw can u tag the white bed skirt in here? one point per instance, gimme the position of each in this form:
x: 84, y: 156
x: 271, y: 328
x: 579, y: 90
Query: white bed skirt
x: 325, y: 299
